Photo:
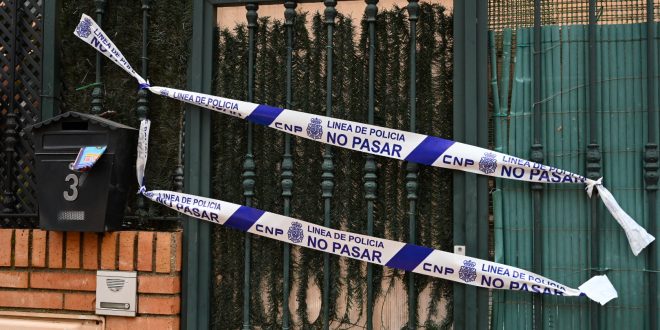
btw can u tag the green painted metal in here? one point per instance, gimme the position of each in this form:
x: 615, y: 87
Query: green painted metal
x: 196, y: 234
x: 620, y: 111
x: 248, y: 164
x: 143, y: 95
x: 593, y: 152
x: 536, y: 155
x: 501, y: 126
x: 412, y: 168
x: 97, y: 92
x: 370, y: 177
x: 470, y: 202
x: 651, y: 161
x: 287, y: 161
x: 142, y: 109
x: 50, y: 100
x: 327, y: 184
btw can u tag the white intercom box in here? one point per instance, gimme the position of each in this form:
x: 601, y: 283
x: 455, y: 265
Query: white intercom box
x: 116, y: 293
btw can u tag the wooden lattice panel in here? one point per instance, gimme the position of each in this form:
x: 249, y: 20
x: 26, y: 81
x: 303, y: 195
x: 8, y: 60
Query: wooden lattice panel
x: 21, y: 28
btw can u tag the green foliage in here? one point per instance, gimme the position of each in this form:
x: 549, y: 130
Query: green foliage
x: 434, y: 114
x: 169, y: 32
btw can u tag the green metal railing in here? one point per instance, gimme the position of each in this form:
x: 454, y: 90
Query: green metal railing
x: 286, y: 199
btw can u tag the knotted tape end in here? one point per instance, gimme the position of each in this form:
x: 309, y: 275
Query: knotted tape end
x: 145, y: 85
x: 142, y: 190
x: 591, y: 184
x: 599, y: 289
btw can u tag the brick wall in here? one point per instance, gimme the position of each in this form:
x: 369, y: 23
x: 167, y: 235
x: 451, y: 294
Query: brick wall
x: 47, y: 271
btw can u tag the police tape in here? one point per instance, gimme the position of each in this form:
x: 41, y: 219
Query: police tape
x: 384, y: 252
x: 376, y: 140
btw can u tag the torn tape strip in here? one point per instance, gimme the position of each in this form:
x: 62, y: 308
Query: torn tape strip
x: 382, y: 141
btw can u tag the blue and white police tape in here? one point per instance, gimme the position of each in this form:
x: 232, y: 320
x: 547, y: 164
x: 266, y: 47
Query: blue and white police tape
x: 382, y: 141
x: 408, y: 257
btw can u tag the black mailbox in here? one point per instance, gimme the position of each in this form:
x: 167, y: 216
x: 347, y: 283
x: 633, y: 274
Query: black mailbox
x: 91, y: 201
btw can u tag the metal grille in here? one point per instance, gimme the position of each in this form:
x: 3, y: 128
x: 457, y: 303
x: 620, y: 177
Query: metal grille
x: 21, y: 30
x: 520, y: 13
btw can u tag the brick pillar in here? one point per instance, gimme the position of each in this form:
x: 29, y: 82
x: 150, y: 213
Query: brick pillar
x: 56, y: 272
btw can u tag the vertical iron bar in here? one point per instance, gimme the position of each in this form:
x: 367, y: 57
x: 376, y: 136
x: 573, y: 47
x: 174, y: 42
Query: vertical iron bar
x: 248, y: 164
x: 370, y: 177
x: 287, y: 161
x: 460, y: 212
x: 537, y: 156
x: 481, y: 223
x: 143, y: 95
x: 593, y: 157
x: 498, y: 120
x: 411, y: 168
x: 97, y: 92
x: 51, y: 60
x: 651, y: 163
x: 327, y: 185
x: 9, y: 201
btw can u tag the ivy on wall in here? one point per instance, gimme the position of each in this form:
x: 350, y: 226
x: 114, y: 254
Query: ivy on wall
x: 434, y: 114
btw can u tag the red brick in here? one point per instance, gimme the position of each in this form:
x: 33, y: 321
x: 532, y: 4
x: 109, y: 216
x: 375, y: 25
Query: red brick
x: 80, y: 301
x: 38, y: 248
x: 55, y: 242
x: 31, y: 299
x: 72, y: 250
x: 145, y: 249
x: 9, y: 279
x: 126, y: 250
x: 21, y: 247
x: 141, y: 322
x: 163, y: 252
x: 159, y: 284
x: 5, y: 246
x: 179, y: 249
x: 158, y: 305
x: 63, y: 281
x: 90, y: 251
x: 109, y: 251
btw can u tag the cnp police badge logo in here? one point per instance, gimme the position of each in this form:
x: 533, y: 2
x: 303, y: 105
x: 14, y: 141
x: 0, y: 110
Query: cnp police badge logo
x: 84, y: 28
x: 488, y: 163
x: 295, y: 232
x: 467, y: 272
x: 314, y: 129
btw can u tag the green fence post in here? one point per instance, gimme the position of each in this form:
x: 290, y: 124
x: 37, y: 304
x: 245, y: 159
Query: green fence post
x: 412, y: 168
x: 370, y: 184
x: 287, y: 161
x: 248, y: 164
x: 97, y: 92
x: 142, y: 109
x: 593, y: 156
x: 537, y: 156
x: 651, y: 165
x: 328, y: 167
x: 196, y: 234
x: 470, y: 191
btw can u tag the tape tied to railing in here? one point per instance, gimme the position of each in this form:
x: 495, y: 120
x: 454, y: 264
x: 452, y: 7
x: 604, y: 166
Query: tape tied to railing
x: 379, y: 251
x: 376, y: 140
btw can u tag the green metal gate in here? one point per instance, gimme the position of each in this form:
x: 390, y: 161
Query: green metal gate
x: 363, y: 70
